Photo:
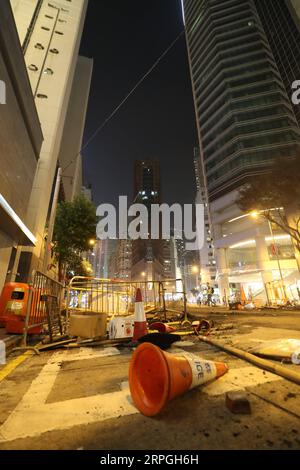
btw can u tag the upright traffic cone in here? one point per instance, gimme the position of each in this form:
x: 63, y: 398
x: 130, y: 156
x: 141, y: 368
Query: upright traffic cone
x: 140, y: 322
x: 155, y: 377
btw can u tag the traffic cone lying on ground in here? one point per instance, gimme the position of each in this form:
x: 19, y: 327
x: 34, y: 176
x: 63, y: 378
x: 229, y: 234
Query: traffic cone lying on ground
x: 155, y: 377
x: 140, y: 321
x: 162, y: 327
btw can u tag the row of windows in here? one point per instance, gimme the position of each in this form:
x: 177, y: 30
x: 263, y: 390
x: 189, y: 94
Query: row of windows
x: 251, y: 142
x: 259, y: 158
x: 222, y: 37
x: 209, y: 28
x: 245, y: 117
x: 247, y: 81
x: 241, y: 71
x: 203, y: 60
x: 209, y: 21
x: 222, y: 64
x: 249, y: 128
x: 246, y: 93
x: 240, y: 107
x: 40, y: 46
x: 228, y: 95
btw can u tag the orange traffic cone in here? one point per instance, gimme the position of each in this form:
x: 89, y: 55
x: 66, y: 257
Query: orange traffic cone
x: 155, y: 377
x: 162, y: 327
x: 140, y: 322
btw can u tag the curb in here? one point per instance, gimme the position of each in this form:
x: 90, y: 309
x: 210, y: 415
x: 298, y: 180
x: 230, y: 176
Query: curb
x: 11, y: 342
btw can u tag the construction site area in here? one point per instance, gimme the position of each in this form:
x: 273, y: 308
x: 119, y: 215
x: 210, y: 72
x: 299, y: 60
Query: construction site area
x: 132, y: 366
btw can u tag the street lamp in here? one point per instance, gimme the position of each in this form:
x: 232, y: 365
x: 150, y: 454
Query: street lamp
x: 92, y: 242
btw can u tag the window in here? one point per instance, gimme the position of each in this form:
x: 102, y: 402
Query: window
x: 41, y: 96
x: 39, y: 46
x: 54, y: 51
x: 33, y: 68
x: 48, y: 71
x: 45, y: 28
x: 59, y: 32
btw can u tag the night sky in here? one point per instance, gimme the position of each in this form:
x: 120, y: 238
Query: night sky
x: 125, y: 37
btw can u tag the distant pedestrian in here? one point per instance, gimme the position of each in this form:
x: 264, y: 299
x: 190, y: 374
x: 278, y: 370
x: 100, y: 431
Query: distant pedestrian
x: 210, y: 292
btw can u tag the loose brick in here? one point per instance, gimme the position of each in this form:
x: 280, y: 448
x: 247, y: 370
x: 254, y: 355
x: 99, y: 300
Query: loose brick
x: 238, y: 403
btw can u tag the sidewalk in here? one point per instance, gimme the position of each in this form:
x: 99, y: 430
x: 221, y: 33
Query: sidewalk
x: 219, y: 310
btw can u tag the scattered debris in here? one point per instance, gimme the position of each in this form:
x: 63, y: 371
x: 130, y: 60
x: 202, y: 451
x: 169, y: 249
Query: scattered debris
x: 88, y: 325
x: 281, y: 349
x: 162, y: 327
x: 162, y: 340
x: 183, y: 344
x: 238, y: 403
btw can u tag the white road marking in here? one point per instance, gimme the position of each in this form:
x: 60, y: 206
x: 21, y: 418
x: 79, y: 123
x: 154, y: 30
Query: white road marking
x: 239, y: 379
x: 33, y: 416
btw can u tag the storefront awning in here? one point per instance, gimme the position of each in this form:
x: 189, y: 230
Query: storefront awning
x: 12, y: 225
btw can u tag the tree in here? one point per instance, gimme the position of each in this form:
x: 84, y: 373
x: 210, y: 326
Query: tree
x: 276, y: 195
x: 75, y: 226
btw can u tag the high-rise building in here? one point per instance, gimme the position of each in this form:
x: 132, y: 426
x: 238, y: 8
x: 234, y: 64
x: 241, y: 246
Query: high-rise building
x: 20, y: 142
x: 207, y: 254
x: 103, y: 266
x: 147, y: 255
x: 50, y: 35
x: 279, y: 21
x: 121, y: 261
x: 245, y: 120
x: 69, y: 156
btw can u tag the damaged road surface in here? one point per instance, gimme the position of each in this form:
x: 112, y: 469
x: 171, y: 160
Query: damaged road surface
x: 80, y: 399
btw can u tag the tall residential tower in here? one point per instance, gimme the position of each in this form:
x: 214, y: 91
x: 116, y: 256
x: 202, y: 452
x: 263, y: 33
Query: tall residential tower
x: 245, y: 120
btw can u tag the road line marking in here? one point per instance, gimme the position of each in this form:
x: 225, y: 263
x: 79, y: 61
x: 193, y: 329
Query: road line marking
x: 239, y: 379
x: 12, y: 365
x: 33, y: 416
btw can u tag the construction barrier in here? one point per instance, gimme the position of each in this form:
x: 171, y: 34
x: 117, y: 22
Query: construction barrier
x: 117, y: 297
x: 43, y: 314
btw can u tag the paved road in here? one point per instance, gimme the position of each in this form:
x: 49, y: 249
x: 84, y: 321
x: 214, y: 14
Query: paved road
x: 79, y: 399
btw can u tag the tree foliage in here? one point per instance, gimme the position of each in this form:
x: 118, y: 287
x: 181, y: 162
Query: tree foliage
x: 75, y: 225
x: 277, y: 195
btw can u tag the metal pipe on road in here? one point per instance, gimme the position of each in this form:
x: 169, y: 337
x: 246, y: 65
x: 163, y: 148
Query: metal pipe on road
x: 259, y: 362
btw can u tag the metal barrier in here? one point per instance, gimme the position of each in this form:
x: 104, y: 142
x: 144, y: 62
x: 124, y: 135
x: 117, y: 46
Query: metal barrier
x: 116, y: 297
x: 43, y: 315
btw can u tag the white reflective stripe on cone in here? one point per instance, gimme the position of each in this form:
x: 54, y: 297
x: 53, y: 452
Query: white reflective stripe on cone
x: 139, y: 312
x: 203, y: 371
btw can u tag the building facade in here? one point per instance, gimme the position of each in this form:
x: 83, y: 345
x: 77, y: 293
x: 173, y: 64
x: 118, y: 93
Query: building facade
x: 279, y: 19
x: 50, y: 35
x: 245, y: 120
x: 70, y: 159
x: 147, y: 255
x: 20, y: 143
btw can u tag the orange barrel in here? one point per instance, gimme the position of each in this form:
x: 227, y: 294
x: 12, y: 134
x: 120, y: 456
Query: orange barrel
x: 13, y: 307
x: 13, y: 301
